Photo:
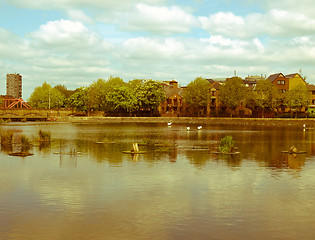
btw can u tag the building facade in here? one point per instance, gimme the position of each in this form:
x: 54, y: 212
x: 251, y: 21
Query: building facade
x: 14, y: 85
x: 173, y: 105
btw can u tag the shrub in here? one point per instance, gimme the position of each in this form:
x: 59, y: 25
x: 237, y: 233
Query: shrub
x: 310, y: 112
x: 227, y: 145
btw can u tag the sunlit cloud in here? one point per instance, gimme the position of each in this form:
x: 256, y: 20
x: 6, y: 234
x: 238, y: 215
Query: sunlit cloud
x: 163, y: 20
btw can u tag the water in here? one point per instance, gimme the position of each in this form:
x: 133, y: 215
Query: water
x: 183, y: 193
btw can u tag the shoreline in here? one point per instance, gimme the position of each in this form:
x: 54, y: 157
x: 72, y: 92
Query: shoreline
x: 195, y: 120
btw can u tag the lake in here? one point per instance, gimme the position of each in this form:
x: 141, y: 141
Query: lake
x: 82, y: 186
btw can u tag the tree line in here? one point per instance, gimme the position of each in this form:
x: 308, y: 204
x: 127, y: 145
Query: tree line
x: 264, y: 96
x: 116, y: 97
x: 113, y: 96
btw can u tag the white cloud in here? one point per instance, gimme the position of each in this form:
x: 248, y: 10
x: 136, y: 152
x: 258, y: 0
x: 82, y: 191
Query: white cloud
x: 67, y: 34
x: 70, y: 4
x: 259, y: 45
x: 148, y: 48
x: 78, y: 15
x: 223, y: 23
x: 274, y: 23
x: 159, y: 19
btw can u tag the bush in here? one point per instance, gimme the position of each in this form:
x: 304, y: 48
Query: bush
x: 310, y: 112
x: 227, y: 145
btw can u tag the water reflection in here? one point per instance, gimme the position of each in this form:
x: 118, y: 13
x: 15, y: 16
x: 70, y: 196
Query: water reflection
x: 82, y: 186
x: 105, y: 143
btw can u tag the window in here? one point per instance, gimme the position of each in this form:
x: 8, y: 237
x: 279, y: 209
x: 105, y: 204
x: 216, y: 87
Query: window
x: 280, y: 82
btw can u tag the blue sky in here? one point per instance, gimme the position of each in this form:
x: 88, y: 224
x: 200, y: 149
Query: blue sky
x: 76, y: 42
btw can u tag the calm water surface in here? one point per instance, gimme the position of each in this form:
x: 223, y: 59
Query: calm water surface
x: 178, y: 191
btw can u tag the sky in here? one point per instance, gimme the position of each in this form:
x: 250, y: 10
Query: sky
x: 76, y: 42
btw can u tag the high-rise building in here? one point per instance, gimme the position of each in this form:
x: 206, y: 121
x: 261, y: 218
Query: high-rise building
x: 14, y: 85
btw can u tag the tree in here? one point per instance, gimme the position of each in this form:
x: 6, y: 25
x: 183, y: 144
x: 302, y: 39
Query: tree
x: 196, y: 94
x: 297, y: 97
x: 232, y: 93
x: 149, y: 94
x: 46, y: 97
x: 98, y: 91
x: 63, y: 89
x: 121, y: 99
x: 79, y: 100
x: 266, y: 95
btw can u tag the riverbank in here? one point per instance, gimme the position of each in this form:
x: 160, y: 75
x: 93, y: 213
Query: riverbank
x: 195, y: 120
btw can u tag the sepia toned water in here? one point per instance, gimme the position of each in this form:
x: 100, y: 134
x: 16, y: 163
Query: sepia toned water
x: 81, y: 185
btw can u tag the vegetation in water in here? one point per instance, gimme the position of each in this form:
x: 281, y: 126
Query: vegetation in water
x: 227, y: 145
x: 44, y: 136
x: 26, y: 144
x: 6, y: 139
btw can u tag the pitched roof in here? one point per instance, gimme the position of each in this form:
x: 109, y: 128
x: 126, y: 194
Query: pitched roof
x: 210, y: 80
x: 291, y: 75
x: 215, y: 85
x: 310, y: 87
x: 272, y: 77
x: 173, y: 91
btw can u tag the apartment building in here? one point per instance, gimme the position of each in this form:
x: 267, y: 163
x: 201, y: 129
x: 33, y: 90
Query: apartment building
x: 14, y: 85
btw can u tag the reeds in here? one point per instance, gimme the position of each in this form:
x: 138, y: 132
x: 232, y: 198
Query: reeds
x: 6, y: 139
x: 26, y: 144
x: 44, y: 136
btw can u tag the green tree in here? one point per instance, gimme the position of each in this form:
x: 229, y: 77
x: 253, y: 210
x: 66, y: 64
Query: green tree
x: 46, y: 97
x: 149, y: 94
x: 196, y: 94
x: 232, y: 92
x: 98, y: 91
x: 63, y: 89
x: 121, y: 99
x: 267, y: 95
x: 79, y: 99
x: 297, y: 97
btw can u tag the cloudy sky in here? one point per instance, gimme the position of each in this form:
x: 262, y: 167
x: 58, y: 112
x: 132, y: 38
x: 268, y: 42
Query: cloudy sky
x: 75, y: 42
